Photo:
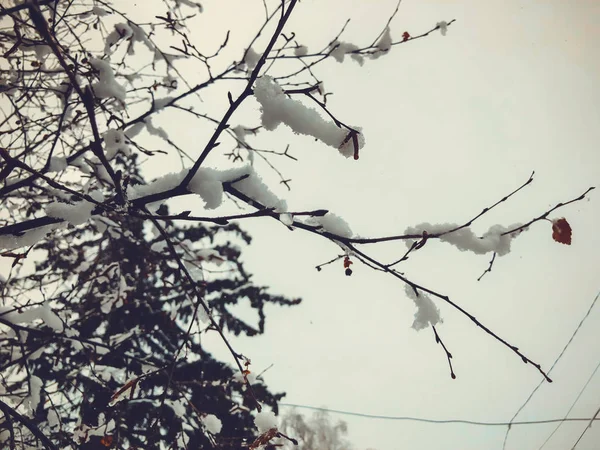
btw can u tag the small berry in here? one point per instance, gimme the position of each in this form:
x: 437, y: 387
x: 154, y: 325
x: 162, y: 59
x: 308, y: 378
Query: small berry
x: 348, y: 271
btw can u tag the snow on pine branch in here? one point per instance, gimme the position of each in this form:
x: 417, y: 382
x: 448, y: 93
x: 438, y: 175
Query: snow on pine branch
x: 278, y: 108
x: 465, y: 240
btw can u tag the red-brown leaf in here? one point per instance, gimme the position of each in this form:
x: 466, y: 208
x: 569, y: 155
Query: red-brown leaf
x: 561, y: 231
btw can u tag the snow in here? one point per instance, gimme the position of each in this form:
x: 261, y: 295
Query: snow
x: 99, y: 11
x: 250, y: 378
x: 209, y: 254
x: 30, y: 237
x: 140, y: 36
x: 41, y: 52
x: 76, y: 214
x: 51, y: 319
x: 265, y: 420
x: 178, y: 406
x: 30, y: 315
x: 208, y: 184
x: 115, y: 141
x: 427, y: 313
x: 83, y: 432
x: 182, y: 440
x: 121, y: 31
x: 286, y: 219
x: 106, y: 373
x: 134, y: 130
x: 338, y: 50
x: 212, y: 423
x: 53, y: 419
x: 35, y: 386
x: 334, y: 224
x: 251, y: 59
x: 465, y: 240
x: 154, y: 130
x: 161, y: 184
x: 278, y: 108
x: 190, y: 3
x: 255, y: 188
x: 385, y: 42
x: 106, y: 86
x: 241, y: 133
x: 57, y: 164
x: 301, y: 50
x: 443, y: 26
x: 159, y: 103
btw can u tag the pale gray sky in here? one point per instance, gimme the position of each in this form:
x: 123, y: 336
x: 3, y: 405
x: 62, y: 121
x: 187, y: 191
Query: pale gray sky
x: 452, y: 125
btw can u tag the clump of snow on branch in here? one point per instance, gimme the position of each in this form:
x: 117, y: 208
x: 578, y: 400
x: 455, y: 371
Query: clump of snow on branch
x: 30, y: 315
x: 83, y: 432
x: 212, y: 423
x: 208, y: 184
x: 278, y: 108
x: 35, y: 386
x: 265, y: 420
x: 121, y: 31
x: 251, y: 59
x: 53, y: 418
x: 443, y: 26
x: 385, y: 41
x: 301, y: 50
x: 75, y: 214
x: 160, y: 103
x: 465, y: 240
x: 286, y: 219
x: 338, y: 50
x: 250, y: 378
x: 155, y: 130
x: 427, y: 313
x: 254, y: 187
x: 107, y: 85
x: 57, y: 164
x: 178, y: 406
x: 241, y: 132
x: 115, y: 142
x: 333, y: 223
x: 140, y: 36
x: 190, y: 3
x: 30, y: 237
x: 96, y: 10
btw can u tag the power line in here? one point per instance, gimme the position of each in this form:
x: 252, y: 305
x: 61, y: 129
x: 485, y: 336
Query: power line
x: 550, y: 371
x: 572, y: 405
x: 586, y: 428
x: 441, y: 421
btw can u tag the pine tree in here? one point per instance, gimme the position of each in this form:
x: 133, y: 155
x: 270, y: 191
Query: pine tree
x: 129, y: 312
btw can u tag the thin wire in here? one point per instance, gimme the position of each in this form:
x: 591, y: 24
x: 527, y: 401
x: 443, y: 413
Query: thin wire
x: 586, y: 428
x: 572, y: 405
x: 550, y: 371
x: 440, y: 421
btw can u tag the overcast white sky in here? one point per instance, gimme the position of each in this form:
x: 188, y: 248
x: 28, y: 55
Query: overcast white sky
x: 452, y: 125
